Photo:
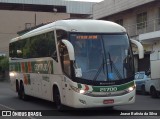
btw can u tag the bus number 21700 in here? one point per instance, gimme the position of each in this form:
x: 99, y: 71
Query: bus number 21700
x: 109, y: 89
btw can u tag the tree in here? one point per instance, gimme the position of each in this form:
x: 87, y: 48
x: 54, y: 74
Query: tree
x: 4, y: 65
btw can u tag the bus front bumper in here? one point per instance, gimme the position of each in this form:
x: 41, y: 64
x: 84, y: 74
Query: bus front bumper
x: 83, y: 101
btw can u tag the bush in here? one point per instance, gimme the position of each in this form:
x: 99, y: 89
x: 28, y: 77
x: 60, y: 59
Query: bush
x: 4, y: 63
x: 4, y: 68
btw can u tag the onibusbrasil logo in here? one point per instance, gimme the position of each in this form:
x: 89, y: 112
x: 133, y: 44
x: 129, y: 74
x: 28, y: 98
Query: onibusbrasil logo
x: 21, y: 113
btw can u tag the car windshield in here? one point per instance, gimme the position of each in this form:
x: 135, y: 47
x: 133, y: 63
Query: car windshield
x: 140, y: 75
x: 103, y: 57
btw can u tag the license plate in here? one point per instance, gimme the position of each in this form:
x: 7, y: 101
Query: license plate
x: 110, y: 101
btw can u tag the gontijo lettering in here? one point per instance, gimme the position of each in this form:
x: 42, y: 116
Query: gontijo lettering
x: 41, y: 67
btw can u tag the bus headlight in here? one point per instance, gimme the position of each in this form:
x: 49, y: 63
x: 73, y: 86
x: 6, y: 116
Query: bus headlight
x: 78, y: 90
x: 130, y: 89
x: 11, y: 74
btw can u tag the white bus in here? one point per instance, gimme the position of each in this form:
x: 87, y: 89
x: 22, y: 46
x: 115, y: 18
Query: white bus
x: 77, y: 63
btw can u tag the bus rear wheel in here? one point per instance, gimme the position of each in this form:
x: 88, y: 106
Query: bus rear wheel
x: 21, y: 92
x: 17, y: 86
x: 57, y: 99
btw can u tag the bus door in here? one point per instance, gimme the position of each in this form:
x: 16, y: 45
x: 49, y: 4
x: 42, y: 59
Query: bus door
x: 41, y: 78
x: 66, y: 68
x: 46, y: 86
x: 36, y: 84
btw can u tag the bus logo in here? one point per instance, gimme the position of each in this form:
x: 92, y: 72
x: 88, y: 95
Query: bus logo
x: 43, y: 67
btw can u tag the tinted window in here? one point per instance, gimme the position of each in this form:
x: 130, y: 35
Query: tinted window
x: 37, y: 46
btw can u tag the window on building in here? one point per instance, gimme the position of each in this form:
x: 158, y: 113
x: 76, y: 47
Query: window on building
x: 142, y: 20
x: 28, y: 25
x: 159, y: 15
x: 119, y: 21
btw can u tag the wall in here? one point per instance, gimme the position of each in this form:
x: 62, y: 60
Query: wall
x: 13, y: 21
x: 110, y: 7
x: 129, y: 18
x: 72, y: 7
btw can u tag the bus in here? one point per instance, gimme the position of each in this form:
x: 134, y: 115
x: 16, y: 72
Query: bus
x: 76, y: 63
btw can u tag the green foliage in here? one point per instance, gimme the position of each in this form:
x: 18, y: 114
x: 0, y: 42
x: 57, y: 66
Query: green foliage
x: 4, y: 63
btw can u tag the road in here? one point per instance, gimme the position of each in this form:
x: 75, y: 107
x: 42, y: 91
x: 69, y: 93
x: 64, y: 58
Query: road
x: 10, y: 101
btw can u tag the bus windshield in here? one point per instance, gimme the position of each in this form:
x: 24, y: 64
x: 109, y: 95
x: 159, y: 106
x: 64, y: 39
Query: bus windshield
x: 103, y: 57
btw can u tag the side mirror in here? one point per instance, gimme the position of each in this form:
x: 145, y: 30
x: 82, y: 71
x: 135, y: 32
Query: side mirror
x: 140, y: 48
x: 69, y: 48
x: 78, y: 71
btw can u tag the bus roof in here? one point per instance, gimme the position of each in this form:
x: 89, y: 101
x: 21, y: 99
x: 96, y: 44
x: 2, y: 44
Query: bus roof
x: 76, y: 25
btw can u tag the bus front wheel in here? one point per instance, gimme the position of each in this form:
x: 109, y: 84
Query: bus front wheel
x: 57, y: 99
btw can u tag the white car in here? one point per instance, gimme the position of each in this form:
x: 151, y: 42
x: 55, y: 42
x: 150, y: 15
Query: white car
x: 140, y: 80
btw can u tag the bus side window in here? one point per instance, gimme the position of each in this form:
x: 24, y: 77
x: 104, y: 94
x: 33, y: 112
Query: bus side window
x: 35, y: 47
x: 26, y: 48
x: 53, y: 46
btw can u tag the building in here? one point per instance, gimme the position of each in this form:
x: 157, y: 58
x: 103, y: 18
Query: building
x: 141, y: 18
x: 18, y: 15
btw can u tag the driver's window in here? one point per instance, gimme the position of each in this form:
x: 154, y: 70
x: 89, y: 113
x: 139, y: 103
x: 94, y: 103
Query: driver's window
x: 141, y: 76
x: 61, y: 34
x: 66, y: 64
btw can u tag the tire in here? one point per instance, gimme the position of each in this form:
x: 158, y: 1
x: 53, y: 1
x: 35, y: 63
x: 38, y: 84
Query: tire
x: 18, y: 89
x: 17, y: 86
x: 110, y: 107
x: 143, y: 91
x: 57, y: 99
x: 21, y: 92
x: 154, y: 93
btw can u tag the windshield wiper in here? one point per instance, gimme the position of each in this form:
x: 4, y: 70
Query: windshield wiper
x: 99, y: 70
x: 114, y: 67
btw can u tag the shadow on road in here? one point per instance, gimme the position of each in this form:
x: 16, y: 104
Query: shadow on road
x: 68, y: 111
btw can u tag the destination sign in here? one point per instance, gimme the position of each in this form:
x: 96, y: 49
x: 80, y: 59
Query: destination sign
x: 85, y: 37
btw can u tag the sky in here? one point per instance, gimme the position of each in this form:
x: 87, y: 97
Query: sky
x: 87, y: 0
